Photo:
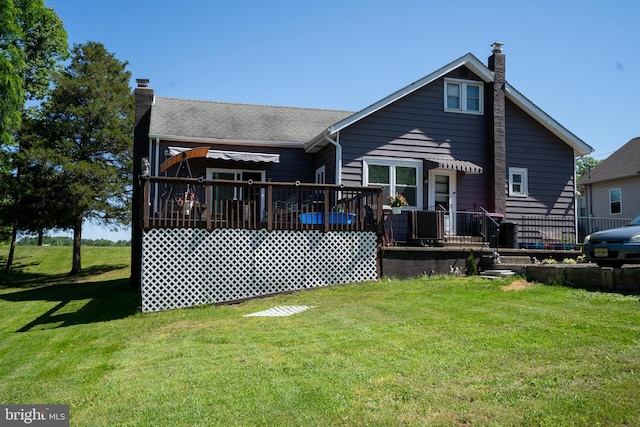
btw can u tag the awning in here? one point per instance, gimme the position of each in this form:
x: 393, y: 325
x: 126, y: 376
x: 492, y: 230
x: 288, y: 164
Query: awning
x: 453, y: 164
x: 239, y: 156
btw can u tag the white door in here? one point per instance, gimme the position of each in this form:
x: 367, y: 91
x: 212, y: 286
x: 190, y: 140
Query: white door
x: 442, y: 196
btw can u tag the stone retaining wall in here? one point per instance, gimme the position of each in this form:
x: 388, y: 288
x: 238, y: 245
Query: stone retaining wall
x: 588, y: 276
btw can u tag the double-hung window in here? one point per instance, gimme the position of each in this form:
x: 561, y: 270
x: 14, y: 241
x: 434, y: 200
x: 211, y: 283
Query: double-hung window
x: 395, y: 177
x: 463, y: 96
x: 518, y: 182
x: 615, y: 201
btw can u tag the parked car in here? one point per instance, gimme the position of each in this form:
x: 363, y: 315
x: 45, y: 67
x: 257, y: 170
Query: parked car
x: 615, y: 247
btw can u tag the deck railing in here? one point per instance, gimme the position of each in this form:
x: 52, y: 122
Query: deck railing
x: 211, y: 204
x: 548, y: 232
x: 492, y: 230
x: 199, y: 203
x: 557, y: 232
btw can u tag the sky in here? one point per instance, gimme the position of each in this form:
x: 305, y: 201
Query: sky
x: 576, y: 60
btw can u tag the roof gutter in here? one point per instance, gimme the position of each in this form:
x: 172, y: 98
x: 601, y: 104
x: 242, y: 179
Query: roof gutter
x: 221, y: 141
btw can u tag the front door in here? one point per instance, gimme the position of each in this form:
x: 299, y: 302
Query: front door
x: 442, y: 197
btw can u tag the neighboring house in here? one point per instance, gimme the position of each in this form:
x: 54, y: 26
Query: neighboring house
x: 612, y: 188
x: 459, y: 139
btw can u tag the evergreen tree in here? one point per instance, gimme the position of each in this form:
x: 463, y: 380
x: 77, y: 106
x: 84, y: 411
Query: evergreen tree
x: 88, y: 122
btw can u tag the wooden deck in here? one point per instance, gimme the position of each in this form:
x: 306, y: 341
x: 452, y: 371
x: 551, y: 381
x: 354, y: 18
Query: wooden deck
x: 212, y: 204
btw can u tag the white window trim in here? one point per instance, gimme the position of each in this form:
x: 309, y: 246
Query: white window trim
x: 620, y: 191
x: 463, y: 96
x: 237, y: 177
x: 582, y: 206
x: 394, y: 163
x: 525, y: 182
x: 321, y: 175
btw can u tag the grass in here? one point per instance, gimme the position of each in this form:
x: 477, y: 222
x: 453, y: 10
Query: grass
x: 437, y: 351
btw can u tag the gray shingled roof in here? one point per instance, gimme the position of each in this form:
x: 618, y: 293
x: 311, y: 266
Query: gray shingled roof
x: 624, y: 162
x: 238, y: 122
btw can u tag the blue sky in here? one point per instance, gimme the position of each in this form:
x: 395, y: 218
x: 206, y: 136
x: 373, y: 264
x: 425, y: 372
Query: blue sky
x: 576, y: 60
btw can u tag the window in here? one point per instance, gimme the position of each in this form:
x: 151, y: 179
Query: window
x: 220, y: 193
x: 518, y: 185
x: 464, y: 96
x: 395, y: 177
x: 615, y: 201
x: 582, y: 206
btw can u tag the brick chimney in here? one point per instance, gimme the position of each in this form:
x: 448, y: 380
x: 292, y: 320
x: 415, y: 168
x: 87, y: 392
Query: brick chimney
x: 497, y: 131
x: 143, y: 101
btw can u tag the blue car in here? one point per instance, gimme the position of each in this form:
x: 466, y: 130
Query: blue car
x: 615, y: 247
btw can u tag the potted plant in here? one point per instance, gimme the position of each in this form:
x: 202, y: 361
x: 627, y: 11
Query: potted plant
x: 397, y: 202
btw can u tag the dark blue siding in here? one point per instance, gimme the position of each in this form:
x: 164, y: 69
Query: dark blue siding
x: 416, y: 127
x: 550, y: 165
x: 295, y: 164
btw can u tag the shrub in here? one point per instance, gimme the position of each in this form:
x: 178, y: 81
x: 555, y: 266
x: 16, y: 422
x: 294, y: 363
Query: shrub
x: 472, y: 268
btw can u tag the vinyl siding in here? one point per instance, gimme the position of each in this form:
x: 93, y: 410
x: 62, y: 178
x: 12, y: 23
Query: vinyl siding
x: 630, y: 188
x: 295, y: 164
x: 550, y: 165
x: 327, y: 158
x: 415, y: 128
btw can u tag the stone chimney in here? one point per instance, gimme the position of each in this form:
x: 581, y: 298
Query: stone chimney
x: 143, y: 101
x: 497, y: 131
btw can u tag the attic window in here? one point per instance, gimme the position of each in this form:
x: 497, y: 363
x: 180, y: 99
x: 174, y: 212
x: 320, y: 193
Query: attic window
x: 463, y: 96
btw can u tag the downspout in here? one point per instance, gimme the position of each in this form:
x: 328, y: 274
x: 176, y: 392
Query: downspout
x: 575, y: 196
x: 157, y: 173
x: 338, y: 157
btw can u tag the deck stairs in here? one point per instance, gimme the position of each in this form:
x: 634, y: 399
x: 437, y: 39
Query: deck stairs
x: 467, y: 242
x: 508, y: 265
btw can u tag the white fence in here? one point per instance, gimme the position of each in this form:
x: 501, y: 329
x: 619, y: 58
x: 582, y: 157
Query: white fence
x: 184, y: 267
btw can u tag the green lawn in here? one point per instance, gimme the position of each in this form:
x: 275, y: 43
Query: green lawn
x: 437, y: 351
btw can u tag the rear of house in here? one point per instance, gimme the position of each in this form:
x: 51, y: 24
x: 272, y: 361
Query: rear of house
x: 460, y: 139
x: 460, y: 142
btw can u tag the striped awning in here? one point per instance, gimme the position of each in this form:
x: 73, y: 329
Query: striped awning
x: 239, y: 156
x: 453, y: 164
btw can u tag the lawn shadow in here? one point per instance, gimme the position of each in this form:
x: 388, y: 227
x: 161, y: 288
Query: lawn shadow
x: 19, y: 279
x: 107, y: 300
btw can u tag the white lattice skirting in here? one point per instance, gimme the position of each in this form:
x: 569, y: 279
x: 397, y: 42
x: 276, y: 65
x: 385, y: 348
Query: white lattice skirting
x: 185, y: 267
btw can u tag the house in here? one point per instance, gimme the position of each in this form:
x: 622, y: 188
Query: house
x: 461, y: 139
x: 611, y: 190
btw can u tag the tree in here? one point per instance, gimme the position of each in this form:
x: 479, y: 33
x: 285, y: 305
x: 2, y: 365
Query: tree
x: 585, y: 164
x: 32, y: 41
x: 88, y: 119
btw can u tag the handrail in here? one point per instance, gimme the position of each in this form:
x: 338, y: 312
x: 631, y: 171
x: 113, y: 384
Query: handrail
x: 217, y: 203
